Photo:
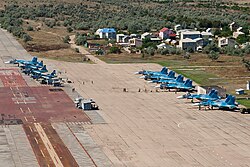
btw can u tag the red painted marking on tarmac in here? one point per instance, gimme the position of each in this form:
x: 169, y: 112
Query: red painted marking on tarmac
x: 11, y: 78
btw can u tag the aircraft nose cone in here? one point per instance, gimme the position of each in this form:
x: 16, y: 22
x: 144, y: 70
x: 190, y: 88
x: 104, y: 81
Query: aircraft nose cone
x: 142, y: 77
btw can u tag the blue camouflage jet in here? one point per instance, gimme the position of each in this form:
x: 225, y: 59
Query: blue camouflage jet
x: 38, y: 72
x: 227, y: 104
x: 164, y: 70
x: 170, y: 75
x: 24, y: 62
x: 49, y: 76
x: 179, y: 79
x: 212, y: 95
x: 28, y: 67
x: 186, y: 86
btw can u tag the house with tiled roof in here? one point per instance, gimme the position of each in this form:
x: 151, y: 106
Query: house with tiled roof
x: 166, y: 33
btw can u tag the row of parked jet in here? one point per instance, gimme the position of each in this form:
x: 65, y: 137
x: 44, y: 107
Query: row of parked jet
x: 37, y: 70
x: 168, y: 80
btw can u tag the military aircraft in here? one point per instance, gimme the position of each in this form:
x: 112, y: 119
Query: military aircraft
x: 49, y: 76
x: 227, y: 104
x: 164, y: 70
x: 212, y: 95
x: 24, y: 62
x: 28, y: 67
x: 38, y: 72
x: 32, y: 66
x: 179, y: 79
x: 45, y: 76
x: 170, y: 75
x: 187, y: 85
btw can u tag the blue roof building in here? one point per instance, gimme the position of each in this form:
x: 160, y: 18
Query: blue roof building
x: 107, y: 33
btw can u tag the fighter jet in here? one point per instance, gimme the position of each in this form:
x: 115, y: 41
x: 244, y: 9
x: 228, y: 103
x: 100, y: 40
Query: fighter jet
x: 187, y: 85
x: 32, y: 66
x: 45, y: 76
x: 227, y: 104
x: 28, y: 67
x: 49, y: 76
x: 164, y: 70
x: 212, y: 95
x: 24, y: 62
x: 38, y: 72
x: 170, y: 75
x: 179, y: 79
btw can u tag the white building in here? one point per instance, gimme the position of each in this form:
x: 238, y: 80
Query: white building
x: 191, y: 44
x: 106, y: 33
x: 222, y: 42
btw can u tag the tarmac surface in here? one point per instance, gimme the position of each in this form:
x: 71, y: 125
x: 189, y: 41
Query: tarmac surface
x: 142, y: 127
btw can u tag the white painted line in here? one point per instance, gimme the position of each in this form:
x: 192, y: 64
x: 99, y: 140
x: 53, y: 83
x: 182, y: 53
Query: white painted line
x: 34, y: 118
x: 48, y: 145
x: 17, y: 87
x: 17, y: 102
x: 29, y: 110
x: 30, y: 129
x: 25, y: 119
x: 21, y: 110
x: 11, y: 88
x: 42, y: 153
x: 36, y: 140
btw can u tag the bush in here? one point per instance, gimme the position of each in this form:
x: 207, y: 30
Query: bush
x: 26, y: 38
x: 66, y: 39
x: 77, y: 50
x: 80, y: 40
x: 211, y: 47
x: 246, y: 63
x: 213, y: 55
x: 150, y: 51
x: 69, y: 29
x: 30, y: 28
x: 115, y: 49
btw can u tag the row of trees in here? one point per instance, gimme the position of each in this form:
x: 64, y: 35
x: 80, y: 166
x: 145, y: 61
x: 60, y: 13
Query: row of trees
x: 131, y: 16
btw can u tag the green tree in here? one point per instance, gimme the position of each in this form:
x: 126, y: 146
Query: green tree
x: 30, y: 28
x: 80, y: 40
x: 211, y: 47
x: 246, y: 64
x: 242, y: 38
x: 213, y: 55
x: 69, y: 29
x: 26, y: 38
x: 115, y: 49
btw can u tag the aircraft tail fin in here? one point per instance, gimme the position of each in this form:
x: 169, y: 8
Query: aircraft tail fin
x: 188, y: 83
x: 231, y: 101
x: 34, y: 60
x: 53, y: 73
x: 164, y: 70
x: 171, y: 74
x: 214, y: 94
x: 211, y: 92
x: 228, y: 98
x: 44, y: 68
x: 179, y: 78
x: 40, y: 63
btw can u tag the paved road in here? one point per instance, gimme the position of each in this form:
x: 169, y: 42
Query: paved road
x: 84, y: 51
